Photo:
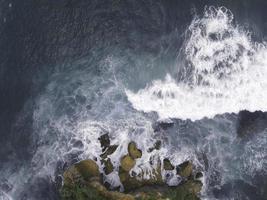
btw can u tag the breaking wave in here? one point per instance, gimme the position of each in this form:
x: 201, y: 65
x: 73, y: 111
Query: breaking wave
x: 224, y: 71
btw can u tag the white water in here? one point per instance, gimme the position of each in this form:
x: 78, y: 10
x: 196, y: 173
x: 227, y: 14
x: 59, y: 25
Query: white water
x: 225, y: 71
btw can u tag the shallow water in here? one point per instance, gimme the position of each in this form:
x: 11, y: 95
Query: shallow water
x: 75, y: 71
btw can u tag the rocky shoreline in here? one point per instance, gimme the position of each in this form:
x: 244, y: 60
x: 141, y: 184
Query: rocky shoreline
x: 85, y: 181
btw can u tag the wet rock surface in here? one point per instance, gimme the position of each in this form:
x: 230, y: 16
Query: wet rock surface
x: 84, y: 180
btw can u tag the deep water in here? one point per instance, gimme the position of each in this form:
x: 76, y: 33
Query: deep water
x: 71, y: 71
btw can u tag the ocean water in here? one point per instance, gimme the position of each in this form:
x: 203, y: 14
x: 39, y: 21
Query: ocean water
x: 73, y: 71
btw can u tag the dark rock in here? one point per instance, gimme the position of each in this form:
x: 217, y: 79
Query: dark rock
x: 199, y: 175
x: 104, y: 141
x: 162, y: 125
x: 156, y: 146
x: 108, y: 167
x: 110, y: 150
x: 167, y: 164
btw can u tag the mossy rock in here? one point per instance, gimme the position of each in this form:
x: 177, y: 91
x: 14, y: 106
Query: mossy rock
x: 167, y: 164
x: 187, y: 191
x: 193, y: 186
x: 71, y: 176
x: 135, y: 181
x: 164, y: 192
x: 109, y: 195
x: 78, y: 192
x: 134, y: 152
x: 82, y: 181
x: 129, y: 182
x: 92, y: 190
x: 87, y: 169
x: 127, y: 163
x: 185, y: 169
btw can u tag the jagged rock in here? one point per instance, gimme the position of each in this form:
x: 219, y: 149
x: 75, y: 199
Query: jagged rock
x: 198, y: 175
x: 108, y: 167
x: 127, y: 163
x: 133, y: 151
x: 104, y: 141
x: 185, y: 169
x: 167, y: 164
x: 157, y: 145
x: 110, y: 150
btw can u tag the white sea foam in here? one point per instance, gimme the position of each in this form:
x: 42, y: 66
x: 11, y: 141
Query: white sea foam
x: 224, y: 71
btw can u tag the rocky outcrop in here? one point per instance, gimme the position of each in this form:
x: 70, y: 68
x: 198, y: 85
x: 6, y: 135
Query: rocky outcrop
x: 83, y: 180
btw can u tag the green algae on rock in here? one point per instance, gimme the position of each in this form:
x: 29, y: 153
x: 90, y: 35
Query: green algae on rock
x: 83, y: 180
x: 127, y: 163
x: 185, y: 169
x: 88, y: 169
x: 133, y: 151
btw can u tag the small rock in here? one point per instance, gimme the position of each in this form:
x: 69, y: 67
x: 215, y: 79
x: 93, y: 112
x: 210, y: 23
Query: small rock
x: 104, y: 141
x: 167, y: 164
x: 198, y: 175
x: 185, y: 169
x: 133, y: 151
